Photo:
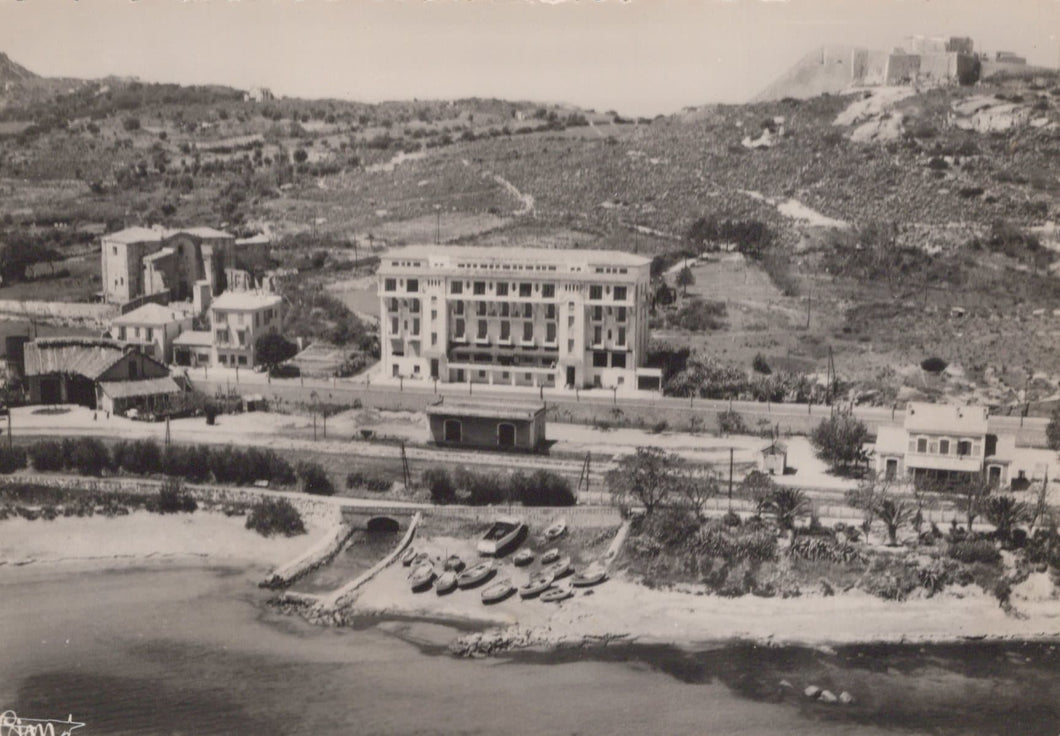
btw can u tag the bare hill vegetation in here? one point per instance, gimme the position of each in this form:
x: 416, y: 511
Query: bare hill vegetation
x: 924, y: 239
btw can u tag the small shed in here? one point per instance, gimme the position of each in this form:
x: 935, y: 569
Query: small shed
x: 773, y: 458
x: 147, y: 396
x: 500, y: 424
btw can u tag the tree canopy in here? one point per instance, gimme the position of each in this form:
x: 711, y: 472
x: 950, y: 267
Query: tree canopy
x: 650, y: 475
x: 273, y: 348
x: 839, y: 441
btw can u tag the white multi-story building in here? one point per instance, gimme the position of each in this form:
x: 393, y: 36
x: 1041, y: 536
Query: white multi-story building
x: 237, y: 319
x: 516, y: 316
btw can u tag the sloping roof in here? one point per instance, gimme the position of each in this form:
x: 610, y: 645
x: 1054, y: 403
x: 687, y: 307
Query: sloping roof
x: 201, y: 232
x: 259, y: 239
x: 194, y: 339
x: 146, y: 387
x: 245, y: 300
x: 499, y: 410
x: 88, y: 357
x: 137, y: 235
x: 521, y: 255
x: 150, y: 314
x: 923, y: 417
x: 162, y: 253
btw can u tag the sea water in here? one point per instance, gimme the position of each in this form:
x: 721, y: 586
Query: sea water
x: 197, y: 651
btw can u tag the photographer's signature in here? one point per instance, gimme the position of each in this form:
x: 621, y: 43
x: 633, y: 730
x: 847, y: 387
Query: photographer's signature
x: 13, y: 725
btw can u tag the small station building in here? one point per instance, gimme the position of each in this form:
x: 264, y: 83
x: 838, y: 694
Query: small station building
x: 501, y: 425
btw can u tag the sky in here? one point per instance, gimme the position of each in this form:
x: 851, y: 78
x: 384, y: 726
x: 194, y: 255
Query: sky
x: 639, y: 57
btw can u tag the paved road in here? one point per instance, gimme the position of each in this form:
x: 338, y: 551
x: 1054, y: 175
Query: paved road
x: 597, y: 404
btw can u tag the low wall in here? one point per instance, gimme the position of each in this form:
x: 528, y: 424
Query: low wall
x: 60, y: 312
x: 316, y: 556
x: 582, y: 516
x: 339, y: 597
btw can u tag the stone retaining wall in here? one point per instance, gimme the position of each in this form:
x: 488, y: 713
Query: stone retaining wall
x: 99, y: 315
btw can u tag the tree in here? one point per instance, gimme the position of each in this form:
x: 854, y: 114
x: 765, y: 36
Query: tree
x: 866, y: 498
x: 300, y: 155
x: 696, y: 489
x: 685, y: 278
x: 894, y: 513
x: 788, y: 504
x: 757, y: 487
x: 971, y: 496
x: 1005, y: 513
x: 839, y: 441
x: 650, y: 475
x: 1052, y: 430
x: 273, y: 348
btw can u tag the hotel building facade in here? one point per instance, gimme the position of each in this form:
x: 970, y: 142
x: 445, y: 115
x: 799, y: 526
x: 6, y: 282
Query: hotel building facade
x: 516, y: 317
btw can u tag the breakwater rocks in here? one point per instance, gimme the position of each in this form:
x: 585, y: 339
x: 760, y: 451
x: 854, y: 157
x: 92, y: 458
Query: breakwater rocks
x: 487, y: 643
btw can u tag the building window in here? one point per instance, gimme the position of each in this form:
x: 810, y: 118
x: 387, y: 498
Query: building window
x: 121, y: 333
x: 944, y: 447
x: 596, y: 292
x: 459, y: 309
x: 394, y: 326
x: 390, y: 285
x: 242, y: 360
x: 598, y: 336
x: 618, y: 360
x: 599, y: 359
x: 416, y: 326
x: 964, y: 447
x: 457, y: 287
x: 479, y: 288
x: 413, y: 285
x: 506, y: 330
x: 622, y: 336
x: 482, y: 325
x: 598, y: 313
x: 548, y: 290
x: 434, y: 338
x: 504, y: 309
x: 459, y: 329
x: 550, y: 311
x: 434, y: 315
x: 921, y: 445
x: 526, y: 289
x: 115, y: 251
x: 502, y: 288
x: 620, y: 293
x: 414, y: 306
x: 550, y: 332
x: 620, y: 314
x: 570, y: 346
x: 480, y: 309
x: 528, y: 311
x: 528, y: 331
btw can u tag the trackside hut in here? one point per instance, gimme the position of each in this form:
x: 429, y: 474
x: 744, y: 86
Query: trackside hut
x: 507, y: 425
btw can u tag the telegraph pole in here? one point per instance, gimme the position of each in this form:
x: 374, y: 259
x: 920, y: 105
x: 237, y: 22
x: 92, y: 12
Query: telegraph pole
x: 730, y: 479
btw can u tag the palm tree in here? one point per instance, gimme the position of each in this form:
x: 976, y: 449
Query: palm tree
x: 788, y: 504
x: 894, y: 513
x: 1005, y: 513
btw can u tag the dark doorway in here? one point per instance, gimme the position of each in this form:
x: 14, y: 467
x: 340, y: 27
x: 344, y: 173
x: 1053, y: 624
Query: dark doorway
x: 506, y: 435
x: 570, y: 375
x: 892, y: 468
x: 434, y: 367
x: 993, y: 476
x: 452, y: 430
x: 50, y: 392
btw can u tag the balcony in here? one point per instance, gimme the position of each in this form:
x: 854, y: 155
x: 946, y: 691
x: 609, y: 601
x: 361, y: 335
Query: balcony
x: 482, y: 341
x: 957, y: 463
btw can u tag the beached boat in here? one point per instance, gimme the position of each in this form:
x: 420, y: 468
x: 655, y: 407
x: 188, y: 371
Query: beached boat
x: 560, y: 568
x: 498, y: 591
x: 445, y: 583
x: 556, y: 594
x: 421, y: 578
x: 537, y: 584
x: 557, y: 530
x: 454, y: 563
x: 408, y: 557
x: 523, y: 557
x: 592, y: 575
x: 504, y: 532
x: 421, y: 559
x: 472, y: 576
x: 550, y: 556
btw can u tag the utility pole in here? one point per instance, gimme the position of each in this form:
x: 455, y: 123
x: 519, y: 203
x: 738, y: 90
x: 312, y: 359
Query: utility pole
x: 730, y: 479
x: 167, y: 430
x: 9, y: 438
x: 809, y: 299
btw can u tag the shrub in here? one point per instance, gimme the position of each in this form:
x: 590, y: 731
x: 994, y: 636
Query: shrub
x: 86, y: 455
x: 735, y: 544
x: 46, y: 455
x: 824, y: 549
x: 275, y: 516
x: 172, y: 498
x: 934, y: 364
x: 542, y: 488
x: 370, y: 480
x: 839, y: 440
x: 760, y: 365
x: 729, y: 422
x: 12, y: 459
x: 314, y: 479
x: 974, y: 550
x: 439, y: 484
x: 141, y: 457
x: 211, y: 411
x: 482, y: 488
